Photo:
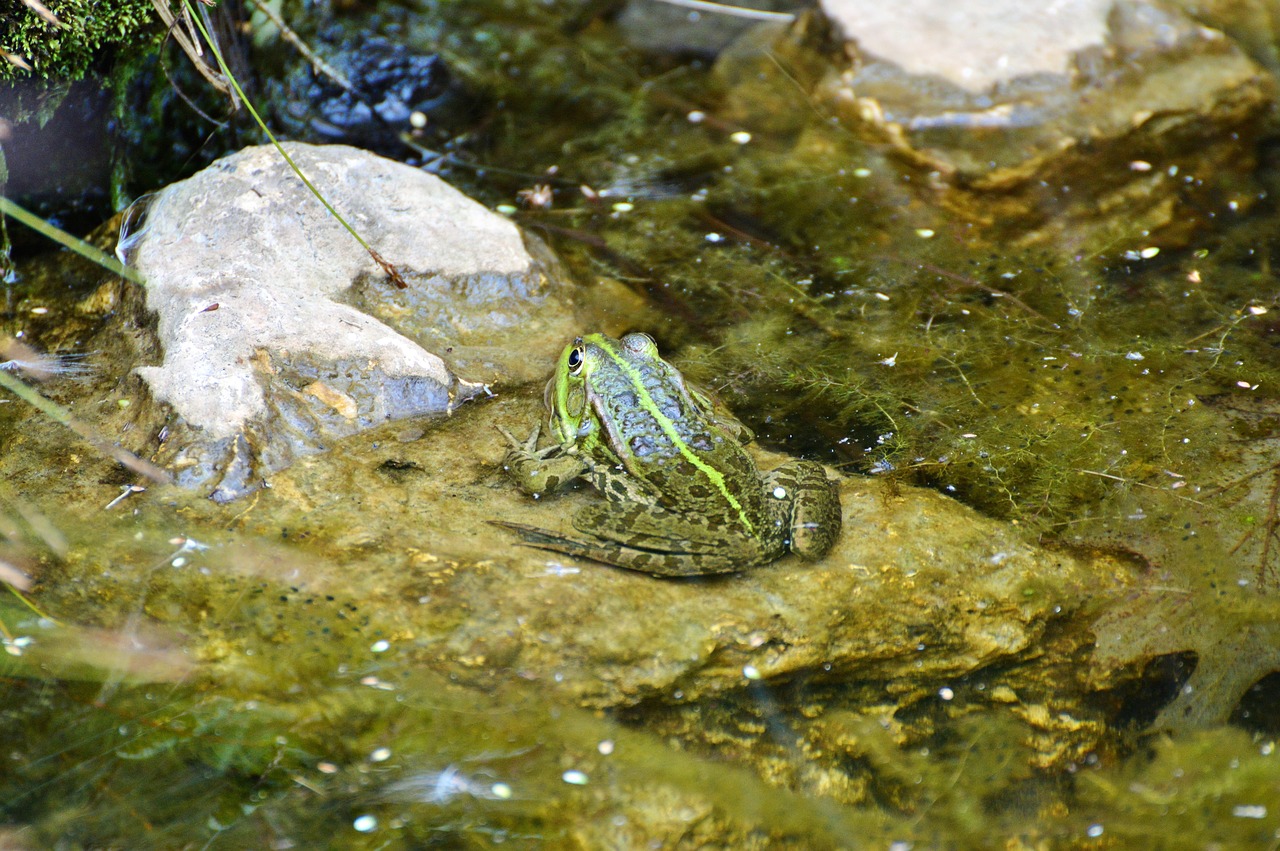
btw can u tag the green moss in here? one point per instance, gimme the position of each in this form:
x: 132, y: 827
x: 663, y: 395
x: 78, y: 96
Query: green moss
x: 88, y: 27
x: 1214, y: 787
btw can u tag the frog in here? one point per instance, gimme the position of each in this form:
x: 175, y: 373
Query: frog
x: 682, y: 496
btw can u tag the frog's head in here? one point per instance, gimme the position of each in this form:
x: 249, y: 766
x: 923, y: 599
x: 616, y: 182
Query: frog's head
x: 566, y: 394
x: 594, y: 364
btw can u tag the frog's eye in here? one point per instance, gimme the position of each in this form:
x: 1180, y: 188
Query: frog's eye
x: 575, y: 359
x: 640, y: 343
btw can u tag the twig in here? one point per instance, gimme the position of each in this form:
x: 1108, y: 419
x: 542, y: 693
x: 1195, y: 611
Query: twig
x: 986, y: 288
x: 126, y: 491
x: 14, y: 577
x: 1221, y: 489
x: 76, y: 244
x: 191, y: 46
x: 732, y: 11
x: 1125, y: 481
x: 965, y: 379
x: 15, y: 60
x: 43, y: 11
x: 42, y: 526
x: 293, y: 38
x: 1270, y: 529
x: 392, y: 272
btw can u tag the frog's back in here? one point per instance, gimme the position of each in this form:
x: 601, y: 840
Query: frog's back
x: 675, y: 445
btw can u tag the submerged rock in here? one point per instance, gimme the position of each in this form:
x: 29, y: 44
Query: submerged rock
x: 705, y: 31
x: 264, y: 306
x: 1071, y: 127
x: 973, y: 44
x: 920, y: 593
x: 372, y: 91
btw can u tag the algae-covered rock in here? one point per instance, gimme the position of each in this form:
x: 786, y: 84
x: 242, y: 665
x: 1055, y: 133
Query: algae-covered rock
x: 1202, y: 627
x: 1073, y: 127
x: 919, y: 592
x: 266, y: 306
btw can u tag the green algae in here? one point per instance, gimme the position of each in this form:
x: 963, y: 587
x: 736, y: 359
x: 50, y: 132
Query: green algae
x: 305, y: 713
x: 310, y: 716
x: 904, y: 344
x: 1218, y: 784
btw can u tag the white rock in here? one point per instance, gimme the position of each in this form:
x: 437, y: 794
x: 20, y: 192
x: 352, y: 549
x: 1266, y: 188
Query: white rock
x: 246, y: 235
x: 973, y: 43
x: 282, y: 334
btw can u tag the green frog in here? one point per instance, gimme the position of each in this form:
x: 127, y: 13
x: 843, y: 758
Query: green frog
x: 682, y: 496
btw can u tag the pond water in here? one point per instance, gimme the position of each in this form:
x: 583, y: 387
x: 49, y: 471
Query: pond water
x: 340, y: 660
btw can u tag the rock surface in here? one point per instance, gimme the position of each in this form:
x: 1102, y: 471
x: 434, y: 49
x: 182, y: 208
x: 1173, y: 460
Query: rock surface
x: 1095, y: 124
x: 973, y: 43
x: 265, y: 304
x: 920, y: 591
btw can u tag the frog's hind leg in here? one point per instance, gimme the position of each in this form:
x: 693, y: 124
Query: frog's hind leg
x: 687, y: 543
x: 657, y: 562
x: 800, y: 497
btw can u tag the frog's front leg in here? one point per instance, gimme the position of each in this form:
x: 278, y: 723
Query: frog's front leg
x: 804, y: 502
x: 541, y: 471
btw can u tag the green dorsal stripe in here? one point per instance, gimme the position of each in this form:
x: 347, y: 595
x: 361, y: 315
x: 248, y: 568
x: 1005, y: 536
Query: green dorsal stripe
x: 669, y: 428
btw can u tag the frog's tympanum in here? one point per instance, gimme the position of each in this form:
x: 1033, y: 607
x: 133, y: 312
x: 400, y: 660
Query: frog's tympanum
x: 683, y: 497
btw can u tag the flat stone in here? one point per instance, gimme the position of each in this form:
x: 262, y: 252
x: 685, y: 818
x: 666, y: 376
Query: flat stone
x: 1085, y: 123
x: 973, y: 43
x: 281, y: 332
x: 919, y: 589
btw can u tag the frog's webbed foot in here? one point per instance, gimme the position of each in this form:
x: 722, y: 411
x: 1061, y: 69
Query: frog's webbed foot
x: 528, y: 446
x: 801, y: 499
x: 540, y: 471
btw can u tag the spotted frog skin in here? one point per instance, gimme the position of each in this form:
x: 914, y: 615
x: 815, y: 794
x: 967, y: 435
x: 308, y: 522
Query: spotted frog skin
x: 682, y: 496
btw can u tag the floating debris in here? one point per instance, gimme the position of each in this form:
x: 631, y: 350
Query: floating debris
x: 20, y: 358
x: 441, y: 787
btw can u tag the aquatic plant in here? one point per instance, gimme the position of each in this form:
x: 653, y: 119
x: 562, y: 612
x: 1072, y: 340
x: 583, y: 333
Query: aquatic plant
x: 62, y: 42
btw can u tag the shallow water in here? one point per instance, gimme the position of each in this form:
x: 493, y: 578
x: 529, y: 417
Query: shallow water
x: 287, y: 672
